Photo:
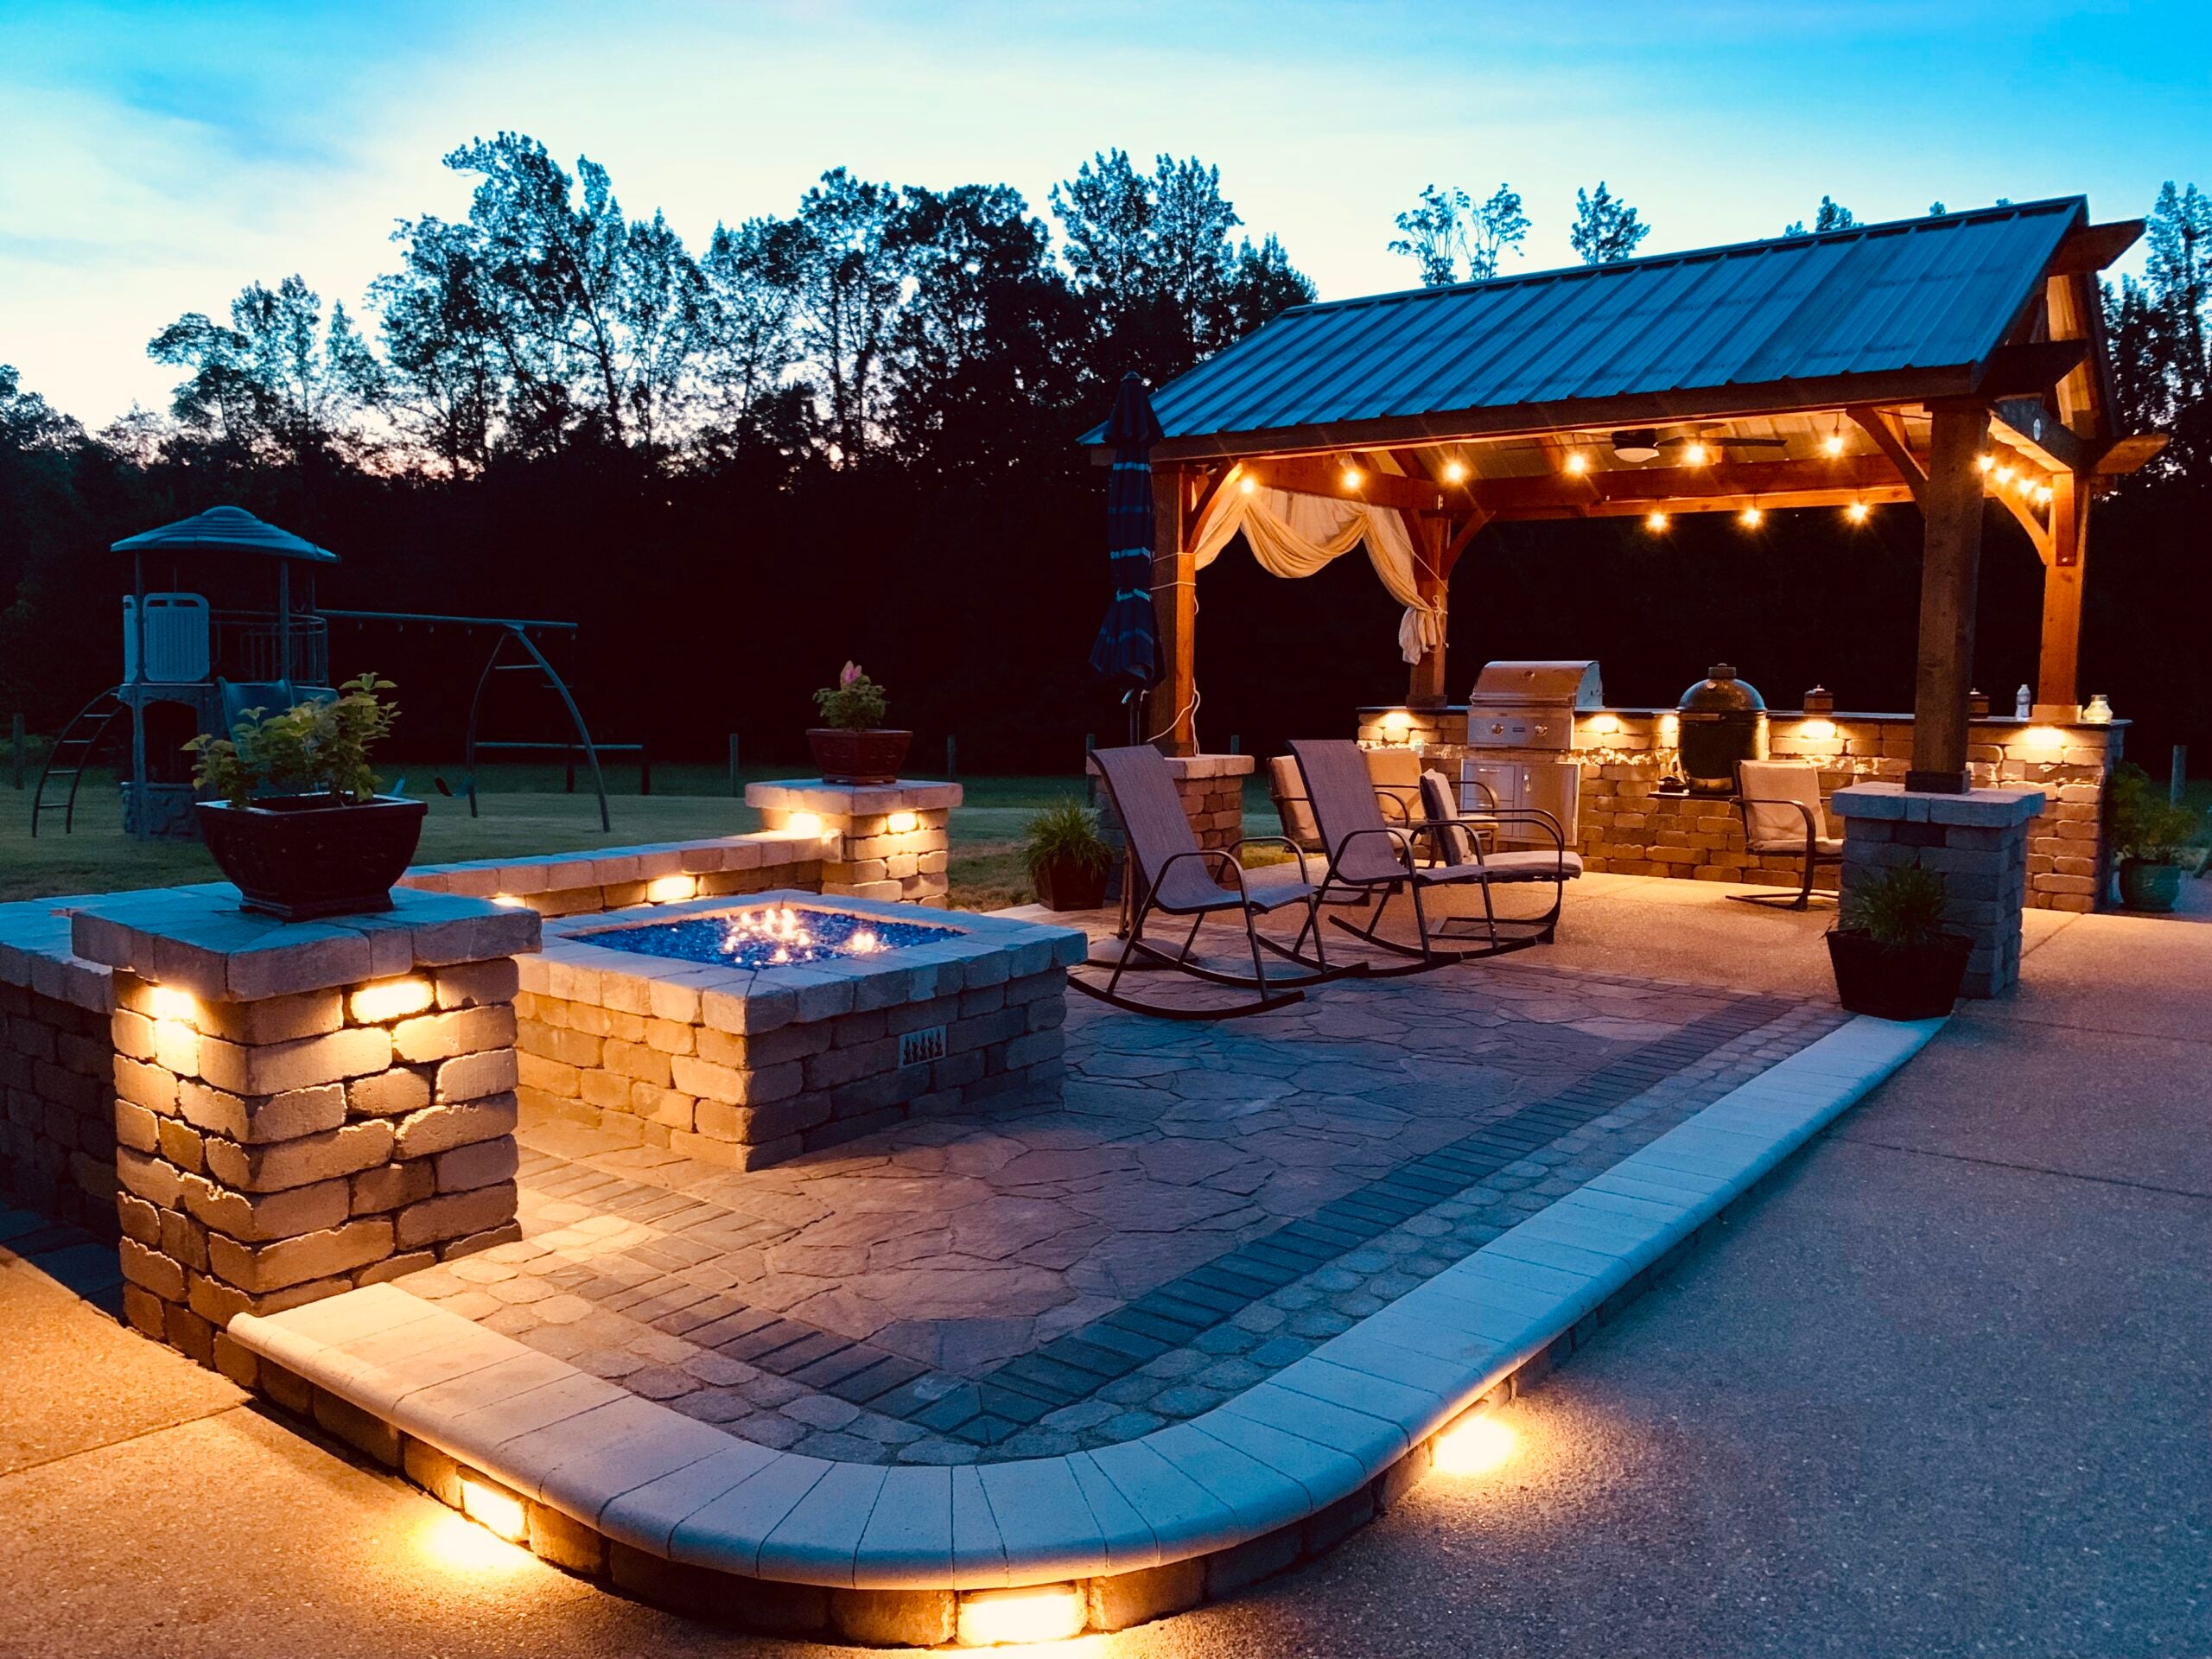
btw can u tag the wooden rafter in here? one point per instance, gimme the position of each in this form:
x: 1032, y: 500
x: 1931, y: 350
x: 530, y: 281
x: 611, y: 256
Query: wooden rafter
x: 1887, y: 431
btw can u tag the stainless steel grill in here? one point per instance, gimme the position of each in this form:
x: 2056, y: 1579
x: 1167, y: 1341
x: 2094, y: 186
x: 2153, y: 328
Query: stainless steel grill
x: 1520, y: 739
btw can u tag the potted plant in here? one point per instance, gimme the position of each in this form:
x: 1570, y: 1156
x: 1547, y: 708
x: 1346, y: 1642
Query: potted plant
x: 2149, y: 833
x: 1891, y: 956
x: 300, y: 828
x: 1068, y: 859
x: 849, y: 747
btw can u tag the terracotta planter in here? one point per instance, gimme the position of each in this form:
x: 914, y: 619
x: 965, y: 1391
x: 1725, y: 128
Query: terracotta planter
x: 2146, y: 883
x: 1064, y: 884
x: 1897, y: 982
x: 869, y: 757
x: 298, y: 857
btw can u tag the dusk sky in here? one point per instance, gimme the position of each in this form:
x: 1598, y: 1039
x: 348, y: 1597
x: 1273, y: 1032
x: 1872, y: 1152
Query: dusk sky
x: 155, y: 157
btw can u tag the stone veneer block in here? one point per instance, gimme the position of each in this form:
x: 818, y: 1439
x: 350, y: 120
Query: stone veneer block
x: 747, y: 1067
x: 861, y: 854
x: 299, y: 1110
x: 1978, y: 842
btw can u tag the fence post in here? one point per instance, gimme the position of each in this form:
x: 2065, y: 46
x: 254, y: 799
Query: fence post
x: 2176, y: 784
x: 734, y: 789
x: 16, y: 742
x: 1090, y: 781
x: 952, y: 753
x: 1233, y: 742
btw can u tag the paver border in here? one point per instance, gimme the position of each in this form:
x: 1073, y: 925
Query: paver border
x: 678, y: 1511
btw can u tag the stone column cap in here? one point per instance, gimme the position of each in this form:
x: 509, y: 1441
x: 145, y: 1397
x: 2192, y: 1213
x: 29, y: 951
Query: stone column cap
x: 1984, y: 809
x: 853, y: 800
x: 1202, y: 766
x: 199, y: 940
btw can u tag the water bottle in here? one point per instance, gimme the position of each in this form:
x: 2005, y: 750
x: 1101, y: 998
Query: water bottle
x: 2023, y: 703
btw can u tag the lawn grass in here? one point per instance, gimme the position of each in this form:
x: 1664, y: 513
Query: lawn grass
x: 524, y: 811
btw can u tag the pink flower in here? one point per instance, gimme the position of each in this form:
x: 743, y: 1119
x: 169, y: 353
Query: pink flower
x: 852, y: 672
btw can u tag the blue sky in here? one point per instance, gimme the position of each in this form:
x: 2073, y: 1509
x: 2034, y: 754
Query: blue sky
x: 155, y: 157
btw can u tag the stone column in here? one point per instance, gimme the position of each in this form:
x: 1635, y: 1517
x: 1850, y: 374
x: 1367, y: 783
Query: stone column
x: 1977, y: 840
x: 1212, y: 790
x: 879, y: 841
x: 303, y: 1107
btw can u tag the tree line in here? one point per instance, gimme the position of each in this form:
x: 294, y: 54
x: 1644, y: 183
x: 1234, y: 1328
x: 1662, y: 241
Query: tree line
x: 850, y: 432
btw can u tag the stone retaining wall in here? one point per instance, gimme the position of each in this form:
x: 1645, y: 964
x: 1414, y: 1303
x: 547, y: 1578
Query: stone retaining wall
x: 1212, y: 790
x: 1627, y: 828
x: 575, y: 884
x: 57, y: 1134
x: 875, y: 840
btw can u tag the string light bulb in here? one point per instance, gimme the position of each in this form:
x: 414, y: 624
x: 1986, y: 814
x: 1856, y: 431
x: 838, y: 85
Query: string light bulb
x: 1454, y: 471
x: 1694, y: 453
x: 1248, y: 485
x: 1577, y: 463
x: 2003, y: 474
x: 1750, y: 518
x: 1856, y: 512
x: 1351, y: 478
x: 2043, y: 495
x: 1985, y: 461
x: 1655, y: 522
x: 1833, y: 444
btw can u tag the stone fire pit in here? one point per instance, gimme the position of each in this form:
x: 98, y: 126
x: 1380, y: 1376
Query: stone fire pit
x: 750, y: 1030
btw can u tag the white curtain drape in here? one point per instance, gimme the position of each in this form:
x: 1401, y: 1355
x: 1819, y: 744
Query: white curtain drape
x: 1293, y: 534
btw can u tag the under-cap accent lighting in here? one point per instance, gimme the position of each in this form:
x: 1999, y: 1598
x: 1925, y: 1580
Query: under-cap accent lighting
x: 1819, y: 730
x: 1607, y: 724
x: 1398, y: 722
x: 461, y: 1548
x: 804, y: 823
x: 667, y: 889
x: 1474, y: 1445
x: 508, y: 899
x: 169, y: 1003
x: 390, y: 998
x: 495, y: 1508
x: 2042, y: 737
x: 1045, y: 1612
x: 903, y: 824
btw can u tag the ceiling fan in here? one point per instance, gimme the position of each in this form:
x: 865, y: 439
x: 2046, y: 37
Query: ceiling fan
x: 1642, y: 443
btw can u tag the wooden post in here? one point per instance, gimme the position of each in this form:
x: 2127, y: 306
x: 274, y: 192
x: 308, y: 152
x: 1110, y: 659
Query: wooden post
x: 1950, y: 570
x: 1424, y: 686
x: 2058, y: 672
x: 1170, y: 718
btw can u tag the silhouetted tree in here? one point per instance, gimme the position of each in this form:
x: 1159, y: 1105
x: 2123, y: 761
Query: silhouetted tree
x: 1833, y: 216
x: 1448, y: 229
x: 1606, y: 227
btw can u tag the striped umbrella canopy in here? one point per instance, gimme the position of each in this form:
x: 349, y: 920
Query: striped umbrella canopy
x: 1125, y: 651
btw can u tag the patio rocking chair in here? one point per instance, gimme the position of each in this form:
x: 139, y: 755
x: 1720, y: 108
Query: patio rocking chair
x: 1371, y: 858
x: 1780, y: 801
x: 1174, y: 876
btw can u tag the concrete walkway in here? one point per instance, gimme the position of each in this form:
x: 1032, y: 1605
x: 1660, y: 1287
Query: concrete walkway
x: 1944, y: 1392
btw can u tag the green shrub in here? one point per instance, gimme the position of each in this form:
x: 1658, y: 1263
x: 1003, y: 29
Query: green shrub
x: 1903, y: 907
x: 314, y: 748
x: 2143, y: 823
x: 1067, y: 833
x: 855, y: 703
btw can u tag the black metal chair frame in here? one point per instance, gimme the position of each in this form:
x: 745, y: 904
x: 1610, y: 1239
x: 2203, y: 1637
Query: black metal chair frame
x: 1813, y: 857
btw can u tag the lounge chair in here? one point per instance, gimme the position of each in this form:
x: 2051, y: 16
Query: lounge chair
x: 1396, y: 775
x: 1174, y: 876
x: 1780, y: 801
x: 1288, y: 791
x: 1373, y: 859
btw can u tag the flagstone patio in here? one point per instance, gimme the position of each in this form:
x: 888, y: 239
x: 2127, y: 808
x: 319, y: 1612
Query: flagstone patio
x: 1207, y: 1205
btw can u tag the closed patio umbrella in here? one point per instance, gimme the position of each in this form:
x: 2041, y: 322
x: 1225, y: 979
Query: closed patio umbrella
x: 1126, y: 652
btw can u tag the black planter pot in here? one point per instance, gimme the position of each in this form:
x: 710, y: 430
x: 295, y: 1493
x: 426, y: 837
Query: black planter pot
x: 1063, y: 884
x: 1897, y: 982
x: 2149, y: 886
x: 298, y: 857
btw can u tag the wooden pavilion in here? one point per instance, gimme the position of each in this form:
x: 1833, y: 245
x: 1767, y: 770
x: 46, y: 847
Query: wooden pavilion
x: 1941, y: 360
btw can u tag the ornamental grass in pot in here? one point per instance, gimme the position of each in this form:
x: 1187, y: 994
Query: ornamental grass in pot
x: 1068, y: 859
x: 300, y: 829
x: 1891, y: 956
x: 2150, y: 840
x: 852, y: 745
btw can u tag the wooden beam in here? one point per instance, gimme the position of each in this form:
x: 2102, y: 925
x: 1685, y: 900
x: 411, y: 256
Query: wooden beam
x: 1465, y: 533
x: 1876, y: 423
x: 2038, y: 532
x: 2093, y: 247
x: 1950, y: 571
x: 1171, y: 711
x: 1687, y: 489
x: 1580, y: 414
x: 2130, y: 455
x: 1312, y: 476
x: 1874, y: 495
x: 2029, y: 428
x: 2058, y: 667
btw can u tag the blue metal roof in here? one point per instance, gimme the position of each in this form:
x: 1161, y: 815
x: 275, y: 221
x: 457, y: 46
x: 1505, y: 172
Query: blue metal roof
x: 1877, y: 299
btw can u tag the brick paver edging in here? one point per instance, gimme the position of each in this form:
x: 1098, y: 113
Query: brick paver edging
x: 600, y: 1481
